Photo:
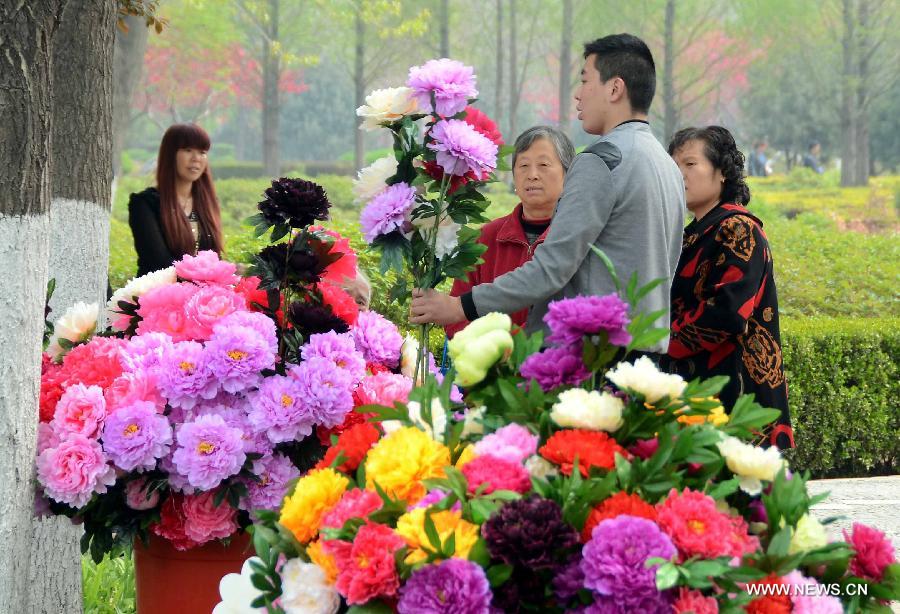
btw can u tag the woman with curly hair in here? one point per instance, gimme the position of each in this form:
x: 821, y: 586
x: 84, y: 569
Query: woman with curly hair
x: 181, y: 214
x: 724, y: 303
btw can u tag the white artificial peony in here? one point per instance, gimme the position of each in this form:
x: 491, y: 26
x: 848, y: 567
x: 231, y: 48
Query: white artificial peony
x: 385, y: 106
x: 751, y: 464
x: 237, y: 592
x: 78, y: 323
x: 539, y: 467
x: 810, y: 535
x: 473, y: 424
x: 136, y: 288
x: 595, y: 411
x: 644, y: 378
x: 447, y: 234
x: 305, y: 589
x: 372, y: 180
x: 438, y: 419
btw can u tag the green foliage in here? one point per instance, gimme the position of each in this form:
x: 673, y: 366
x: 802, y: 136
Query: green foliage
x: 108, y: 585
x: 843, y: 383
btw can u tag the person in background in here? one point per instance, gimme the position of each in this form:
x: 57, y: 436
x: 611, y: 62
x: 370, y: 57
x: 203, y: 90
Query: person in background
x: 181, y: 214
x: 724, y: 301
x: 541, y: 158
x: 758, y: 165
x: 811, y: 157
x: 360, y: 289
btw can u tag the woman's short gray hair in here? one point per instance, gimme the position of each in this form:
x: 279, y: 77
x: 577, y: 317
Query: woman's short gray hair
x: 565, y: 151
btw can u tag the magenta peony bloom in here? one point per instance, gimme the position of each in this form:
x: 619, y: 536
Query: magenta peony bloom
x: 433, y: 498
x: 324, y: 390
x: 572, y: 318
x: 274, y: 473
x: 278, y: 410
x: 184, y: 375
x: 387, y: 211
x: 81, y: 409
x: 338, y: 348
x: 804, y: 601
x: 137, y: 496
x: 74, y: 470
x: 874, y: 552
x: 461, y: 149
x: 234, y: 410
x: 209, y: 305
x: 162, y: 311
x: 237, y: 355
x: 491, y: 473
x: 205, y: 521
x: 208, y: 451
x: 378, y: 339
x: 136, y: 436
x: 645, y: 603
x: 512, y: 442
x: 454, y: 586
x: 452, y: 83
x: 555, y: 367
x: 613, y: 562
x: 259, y: 322
x: 206, y: 268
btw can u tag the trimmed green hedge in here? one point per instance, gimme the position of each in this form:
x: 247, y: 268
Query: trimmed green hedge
x: 844, y: 395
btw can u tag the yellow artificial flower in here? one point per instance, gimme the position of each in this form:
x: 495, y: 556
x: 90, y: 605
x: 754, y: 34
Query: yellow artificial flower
x: 411, y: 527
x: 810, y: 534
x: 316, y: 493
x: 317, y: 555
x: 400, y: 461
x: 467, y: 455
x: 716, y: 416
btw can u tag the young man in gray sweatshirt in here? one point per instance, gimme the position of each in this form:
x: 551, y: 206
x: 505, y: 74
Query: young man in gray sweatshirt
x: 623, y: 194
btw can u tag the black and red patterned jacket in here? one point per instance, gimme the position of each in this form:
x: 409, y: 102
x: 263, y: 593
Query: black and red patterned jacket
x: 725, y: 312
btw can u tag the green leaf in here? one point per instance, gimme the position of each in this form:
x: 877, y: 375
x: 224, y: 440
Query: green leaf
x: 498, y: 574
x: 479, y: 553
x: 431, y: 532
x: 609, y: 266
x: 371, y: 607
x: 724, y: 489
x: 666, y: 576
x: 780, y: 543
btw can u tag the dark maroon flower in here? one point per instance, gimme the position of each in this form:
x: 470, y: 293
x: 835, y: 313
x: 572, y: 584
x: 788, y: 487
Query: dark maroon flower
x: 295, y: 202
x: 530, y: 533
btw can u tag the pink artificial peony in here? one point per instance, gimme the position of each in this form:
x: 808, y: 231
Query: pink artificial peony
x: 366, y: 569
x: 812, y: 600
x: 46, y: 437
x: 131, y: 387
x: 644, y: 448
x: 206, y: 268
x: 874, y: 552
x: 82, y: 410
x: 171, y: 523
x: 209, y: 305
x: 496, y: 474
x: 137, y: 497
x: 163, y: 310
x: 698, y: 528
x: 694, y: 602
x: 383, y: 389
x: 355, y: 503
x: 512, y: 442
x: 204, y: 521
x: 74, y: 470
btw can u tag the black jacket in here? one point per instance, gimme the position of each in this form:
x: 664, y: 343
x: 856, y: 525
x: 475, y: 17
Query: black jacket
x: 153, y: 252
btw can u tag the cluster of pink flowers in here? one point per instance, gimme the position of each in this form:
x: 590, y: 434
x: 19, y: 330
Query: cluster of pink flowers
x: 499, y: 461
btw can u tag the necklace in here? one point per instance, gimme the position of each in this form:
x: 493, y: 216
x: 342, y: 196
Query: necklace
x: 187, y: 205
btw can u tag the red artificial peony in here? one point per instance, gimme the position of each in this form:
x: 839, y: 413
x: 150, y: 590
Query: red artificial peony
x: 374, y: 368
x: 616, y: 505
x: 53, y: 378
x: 351, y: 419
x: 341, y: 303
x: 353, y: 443
x: 698, y: 528
x: 496, y: 474
x: 694, y: 602
x: 248, y: 287
x: 205, y: 521
x: 770, y: 604
x: 344, y: 268
x: 367, y: 570
x: 874, y: 552
x: 171, y: 523
x: 93, y: 364
x: 592, y: 448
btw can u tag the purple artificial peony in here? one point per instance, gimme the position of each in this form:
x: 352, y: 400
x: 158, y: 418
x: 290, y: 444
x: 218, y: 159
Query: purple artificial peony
x: 648, y: 603
x: 237, y: 354
x: 455, y: 586
x: 145, y: 352
x: 512, y: 442
x: 184, y: 375
x: 387, y: 211
x: 569, y: 580
x: 259, y: 322
x: 613, y: 560
x: 555, y: 367
x: 461, y: 149
x: 235, y: 413
x: 278, y: 410
x: 274, y: 473
x: 530, y: 533
x: 324, y: 390
x: 208, y: 451
x: 571, y: 319
x: 451, y: 82
x: 136, y: 436
x: 339, y: 348
x: 433, y: 498
x: 177, y: 481
x: 378, y: 339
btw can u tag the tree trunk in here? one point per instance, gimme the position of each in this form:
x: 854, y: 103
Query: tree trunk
x: 445, y: 28
x: 128, y: 66
x: 27, y: 32
x: 565, y: 68
x: 850, y: 112
x: 498, y: 79
x: 271, y: 104
x: 670, y: 118
x: 513, y: 71
x: 359, y: 85
x: 861, y: 171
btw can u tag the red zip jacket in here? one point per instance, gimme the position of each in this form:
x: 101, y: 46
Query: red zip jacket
x: 507, y: 249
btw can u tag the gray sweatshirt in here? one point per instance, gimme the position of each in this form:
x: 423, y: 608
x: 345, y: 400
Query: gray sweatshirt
x: 623, y: 194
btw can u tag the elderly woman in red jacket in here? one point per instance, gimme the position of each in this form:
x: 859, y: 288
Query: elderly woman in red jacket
x: 540, y: 161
